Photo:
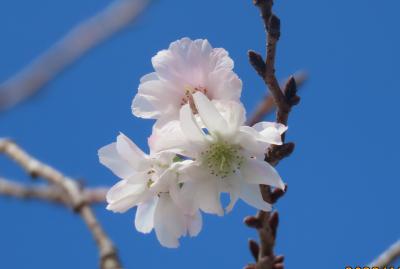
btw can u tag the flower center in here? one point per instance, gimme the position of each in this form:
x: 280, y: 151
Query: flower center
x: 188, y: 97
x: 222, y: 159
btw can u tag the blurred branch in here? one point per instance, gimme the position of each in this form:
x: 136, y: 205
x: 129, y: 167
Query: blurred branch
x: 55, y: 195
x: 267, y: 105
x: 66, y: 51
x: 266, y: 223
x: 387, y: 257
x: 72, y: 195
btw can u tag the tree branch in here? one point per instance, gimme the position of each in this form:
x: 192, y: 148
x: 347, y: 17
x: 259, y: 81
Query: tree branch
x: 387, y: 257
x: 74, y: 197
x: 267, y: 105
x: 66, y: 51
x: 266, y: 223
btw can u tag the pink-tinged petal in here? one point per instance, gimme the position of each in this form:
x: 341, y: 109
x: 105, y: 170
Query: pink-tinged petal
x: 209, y: 114
x: 156, y: 99
x: 144, y: 219
x: 149, y: 77
x: 169, y: 222
x: 220, y: 60
x: 194, y: 223
x: 109, y: 157
x: 260, y: 172
x: 143, y: 106
x: 224, y: 85
x: 132, y: 153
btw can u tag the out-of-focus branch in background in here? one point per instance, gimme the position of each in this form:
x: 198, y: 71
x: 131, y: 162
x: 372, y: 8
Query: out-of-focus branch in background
x: 12, y: 189
x: 69, y: 49
x: 71, y: 195
x: 388, y: 257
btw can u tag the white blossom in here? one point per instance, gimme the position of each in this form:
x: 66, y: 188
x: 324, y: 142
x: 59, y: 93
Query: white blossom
x: 150, y: 183
x: 227, y: 156
x: 184, y: 68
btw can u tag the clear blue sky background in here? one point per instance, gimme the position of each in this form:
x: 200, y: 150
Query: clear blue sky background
x: 342, y: 204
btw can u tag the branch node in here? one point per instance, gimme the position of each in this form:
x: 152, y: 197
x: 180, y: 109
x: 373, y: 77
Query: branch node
x: 253, y: 222
x: 257, y: 62
x: 277, y: 153
x: 254, y: 249
x: 290, y: 92
x: 274, y: 27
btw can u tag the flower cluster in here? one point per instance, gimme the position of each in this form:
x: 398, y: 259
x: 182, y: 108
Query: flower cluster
x: 199, y: 146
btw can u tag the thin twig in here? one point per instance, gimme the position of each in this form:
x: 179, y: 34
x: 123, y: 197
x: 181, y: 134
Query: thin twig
x: 70, y: 48
x: 74, y: 197
x: 51, y: 194
x: 266, y: 223
x: 267, y: 105
x: 388, y: 257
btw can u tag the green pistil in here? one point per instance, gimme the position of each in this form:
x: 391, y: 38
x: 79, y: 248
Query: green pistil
x: 222, y: 159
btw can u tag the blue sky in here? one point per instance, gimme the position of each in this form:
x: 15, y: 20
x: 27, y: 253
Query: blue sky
x: 342, y: 205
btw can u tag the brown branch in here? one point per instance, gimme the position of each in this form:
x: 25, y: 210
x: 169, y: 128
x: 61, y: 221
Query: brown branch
x: 388, y: 257
x: 51, y: 194
x: 266, y: 223
x: 69, y: 49
x: 267, y: 105
x: 74, y: 197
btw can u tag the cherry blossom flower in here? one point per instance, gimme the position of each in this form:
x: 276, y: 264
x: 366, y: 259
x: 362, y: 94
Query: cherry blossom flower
x: 150, y: 183
x: 227, y: 156
x: 186, y: 67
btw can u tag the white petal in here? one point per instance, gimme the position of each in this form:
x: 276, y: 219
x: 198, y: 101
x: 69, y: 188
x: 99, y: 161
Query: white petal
x: 183, y: 197
x: 270, y: 132
x: 109, y: 156
x: 233, y: 199
x: 233, y: 112
x: 251, y: 194
x: 169, y: 222
x: 194, y: 223
x: 260, y: 126
x: 167, y: 137
x: 247, y: 138
x: 209, y: 114
x: 144, y: 219
x: 167, y: 180
x: 189, y: 126
x: 260, y: 172
x: 131, y: 153
x: 123, y: 195
x: 171, y: 138
x: 205, y: 192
